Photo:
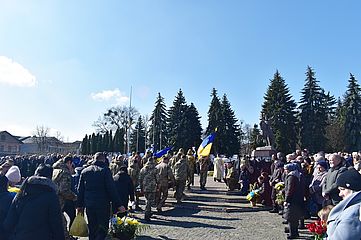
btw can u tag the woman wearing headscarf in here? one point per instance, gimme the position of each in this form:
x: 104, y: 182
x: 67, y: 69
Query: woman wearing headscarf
x: 344, y: 221
x: 294, y: 192
x: 315, y: 186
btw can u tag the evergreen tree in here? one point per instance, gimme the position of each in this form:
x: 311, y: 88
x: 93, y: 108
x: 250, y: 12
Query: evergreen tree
x: 119, y: 140
x: 256, y: 138
x: 335, y: 130
x: 176, y: 123
x: 215, y: 123
x: 231, y: 130
x: 279, y: 109
x: 193, y: 129
x: 137, y: 138
x: 84, y: 145
x: 313, y: 115
x: 94, y: 144
x: 352, y: 108
x: 110, y: 147
x: 158, y: 127
x: 99, y: 142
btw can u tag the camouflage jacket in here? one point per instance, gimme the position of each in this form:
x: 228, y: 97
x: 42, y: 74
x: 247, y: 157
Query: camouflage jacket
x: 165, y: 174
x: 62, y: 179
x: 181, y: 169
x: 148, y: 177
x: 191, y: 162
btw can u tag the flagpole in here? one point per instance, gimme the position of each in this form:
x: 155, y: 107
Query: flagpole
x: 130, y: 107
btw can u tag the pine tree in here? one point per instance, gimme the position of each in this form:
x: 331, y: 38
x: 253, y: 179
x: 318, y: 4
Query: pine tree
x: 193, y: 129
x: 231, y: 130
x: 215, y: 123
x: 352, y: 108
x: 335, y: 130
x: 176, y: 123
x: 110, y: 147
x: 158, y: 127
x: 119, y: 140
x: 84, y: 145
x: 313, y: 115
x: 94, y: 144
x: 279, y: 109
x: 137, y: 138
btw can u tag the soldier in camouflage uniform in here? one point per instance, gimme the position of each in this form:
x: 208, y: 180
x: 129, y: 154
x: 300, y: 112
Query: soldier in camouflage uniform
x: 62, y: 172
x: 176, y: 158
x: 148, y: 180
x: 116, y: 164
x: 133, y: 171
x: 203, y: 167
x: 146, y: 157
x: 165, y: 178
x: 181, y: 170
x: 192, y: 164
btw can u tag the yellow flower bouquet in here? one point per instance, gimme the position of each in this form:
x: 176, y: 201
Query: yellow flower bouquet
x: 125, y: 228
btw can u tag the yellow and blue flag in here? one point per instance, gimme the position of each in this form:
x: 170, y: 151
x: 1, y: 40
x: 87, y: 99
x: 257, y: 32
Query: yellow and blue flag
x: 205, y: 147
x: 162, y: 152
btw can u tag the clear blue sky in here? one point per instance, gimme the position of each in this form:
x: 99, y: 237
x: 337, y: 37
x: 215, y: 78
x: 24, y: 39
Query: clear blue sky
x: 63, y: 63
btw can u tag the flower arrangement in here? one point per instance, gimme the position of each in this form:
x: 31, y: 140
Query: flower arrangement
x: 280, y: 186
x: 280, y: 198
x: 125, y: 228
x: 318, y: 229
x: 253, y: 195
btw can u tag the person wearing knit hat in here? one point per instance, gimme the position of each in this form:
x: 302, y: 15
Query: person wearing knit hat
x: 344, y: 221
x: 14, y: 176
x: 35, y: 212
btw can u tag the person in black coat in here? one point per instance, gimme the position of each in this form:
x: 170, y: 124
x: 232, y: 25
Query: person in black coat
x: 124, y: 186
x: 35, y: 212
x: 5, y: 202
x: 96, y: 190
x: 294, y: 192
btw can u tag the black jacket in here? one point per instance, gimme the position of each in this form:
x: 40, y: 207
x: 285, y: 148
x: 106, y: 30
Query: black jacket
x: 125, y: 188
x: 35, y: 212
x: 96, y: 187
x: 5, y: 202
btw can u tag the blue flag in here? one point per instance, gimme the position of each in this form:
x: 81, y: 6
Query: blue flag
x: 205, y: 147
x: 162, y: 152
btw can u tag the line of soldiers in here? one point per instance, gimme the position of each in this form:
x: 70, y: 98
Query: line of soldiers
x: 153, y: 177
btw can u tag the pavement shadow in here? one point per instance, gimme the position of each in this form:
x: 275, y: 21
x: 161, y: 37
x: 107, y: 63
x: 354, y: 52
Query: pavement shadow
x: 182, y: 212
x: 161, y: 237
x: 186, y: 224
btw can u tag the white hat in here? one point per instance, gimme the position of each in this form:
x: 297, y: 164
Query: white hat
x: 13, y: 174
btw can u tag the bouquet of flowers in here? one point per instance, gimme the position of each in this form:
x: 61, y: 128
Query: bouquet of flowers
x: 280, y: 186
x: 318, y: 229
x: 125, y: 228
x: 280, y: 198
x: 253, y: 195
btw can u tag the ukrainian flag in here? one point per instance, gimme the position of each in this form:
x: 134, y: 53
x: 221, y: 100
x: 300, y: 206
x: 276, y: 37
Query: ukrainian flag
x: 162, y: 152
x: 205, y: 147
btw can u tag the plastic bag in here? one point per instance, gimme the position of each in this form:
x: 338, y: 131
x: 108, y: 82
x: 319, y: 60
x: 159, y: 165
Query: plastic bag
x: 79, y: 227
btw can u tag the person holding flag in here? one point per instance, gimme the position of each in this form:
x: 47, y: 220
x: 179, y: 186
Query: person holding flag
x: 203, y: 159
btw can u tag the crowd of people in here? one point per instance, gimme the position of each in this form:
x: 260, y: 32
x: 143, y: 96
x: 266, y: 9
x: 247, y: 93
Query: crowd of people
x: 324, y: 185
x: 300, y: 186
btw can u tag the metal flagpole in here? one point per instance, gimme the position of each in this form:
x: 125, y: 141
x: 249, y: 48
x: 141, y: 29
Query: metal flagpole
x: 130, y: 107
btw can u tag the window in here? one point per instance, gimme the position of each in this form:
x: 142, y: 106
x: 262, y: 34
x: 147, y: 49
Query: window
x: 1, y: 148
x: 9, y: 148
x: 2, y: 137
